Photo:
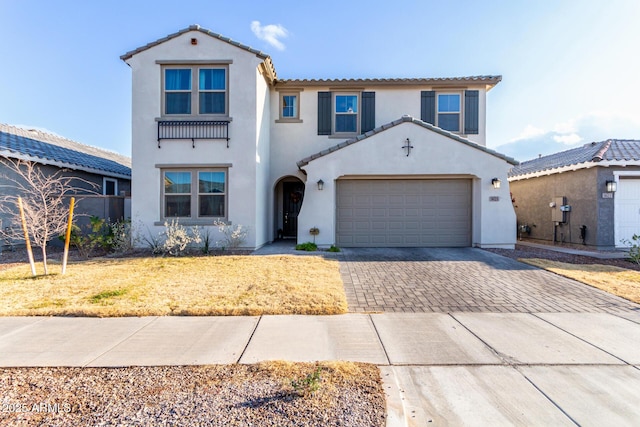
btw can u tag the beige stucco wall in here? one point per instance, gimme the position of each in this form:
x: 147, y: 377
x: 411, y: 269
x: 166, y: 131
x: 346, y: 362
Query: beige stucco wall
x: 248, y: 107
x: 533, y: 196
x: 434, y: 155
x: 295, y: 141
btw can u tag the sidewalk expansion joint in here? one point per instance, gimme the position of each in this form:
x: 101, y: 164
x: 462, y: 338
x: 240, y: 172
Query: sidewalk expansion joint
x: 546, y: 396
x: 581, y: 339
x: 249, y: 340
x: 386, y: 355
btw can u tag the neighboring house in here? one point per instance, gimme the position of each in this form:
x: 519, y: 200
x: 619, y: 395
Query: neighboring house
x: 369, y: 162
x: 600, y: 184
x: 110, y: 173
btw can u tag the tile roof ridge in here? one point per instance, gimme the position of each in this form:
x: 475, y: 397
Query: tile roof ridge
x: 601, y: 153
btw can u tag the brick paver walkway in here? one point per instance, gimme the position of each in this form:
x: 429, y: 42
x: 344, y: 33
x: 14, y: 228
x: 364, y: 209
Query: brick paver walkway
x: 465, y: 279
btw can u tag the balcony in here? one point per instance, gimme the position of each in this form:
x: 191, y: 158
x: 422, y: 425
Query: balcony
x: 181, y: 129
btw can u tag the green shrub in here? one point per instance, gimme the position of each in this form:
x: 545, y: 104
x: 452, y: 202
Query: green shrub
x: 307, y: 246
x: 334, y: 248
x: 634, y: 248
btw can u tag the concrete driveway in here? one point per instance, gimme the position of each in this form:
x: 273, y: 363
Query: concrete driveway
x: 450, y: 280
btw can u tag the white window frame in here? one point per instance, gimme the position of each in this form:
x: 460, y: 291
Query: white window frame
x: 459, y: 112
x: 104, y: 186
x: 195, y: 89
x: 334, y: 113
x: 194, y: 194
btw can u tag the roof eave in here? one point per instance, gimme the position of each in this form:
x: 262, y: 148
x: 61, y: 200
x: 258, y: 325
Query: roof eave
x: 403, y: 119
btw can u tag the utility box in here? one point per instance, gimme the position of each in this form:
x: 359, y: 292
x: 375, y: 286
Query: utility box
x: 557, y: 213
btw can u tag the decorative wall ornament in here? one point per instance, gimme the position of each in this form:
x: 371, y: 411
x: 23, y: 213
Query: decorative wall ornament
x: 407, y: 146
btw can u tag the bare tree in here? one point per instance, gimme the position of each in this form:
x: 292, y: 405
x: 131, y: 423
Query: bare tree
x: 45, y: 199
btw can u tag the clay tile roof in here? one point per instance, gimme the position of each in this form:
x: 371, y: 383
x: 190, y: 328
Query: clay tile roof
x: 611, y: 150
x: 403, y: 119
x: 46, y: 148
x: 490, y: 81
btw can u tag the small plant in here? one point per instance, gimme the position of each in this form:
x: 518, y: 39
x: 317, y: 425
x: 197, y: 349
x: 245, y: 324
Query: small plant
x: 234, y: 236
x: 108, y: 237
x: 206, y: 241
x: 178, y: 238
x: 634, y: 248
x: 309, y: 384
x: 334, y: 248
x: 307, y: 246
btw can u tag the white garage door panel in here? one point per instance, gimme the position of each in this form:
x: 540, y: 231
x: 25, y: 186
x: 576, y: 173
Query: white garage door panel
x: 627, y: 210
x: 404, y: 213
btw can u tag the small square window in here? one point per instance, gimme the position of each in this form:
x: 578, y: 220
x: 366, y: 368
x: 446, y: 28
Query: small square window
x: 289, y: 107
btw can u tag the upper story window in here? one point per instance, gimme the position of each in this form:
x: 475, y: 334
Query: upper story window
x: 449, y: 111
x: 346, y: 113
x: 457, y: 111
x: 195, y: 90
x: 289, y: 106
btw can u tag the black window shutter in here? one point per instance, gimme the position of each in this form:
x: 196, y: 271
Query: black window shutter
x: 368, y: 119
x: 428, y: 106
x: 471, y: 106
x: 324, y: 113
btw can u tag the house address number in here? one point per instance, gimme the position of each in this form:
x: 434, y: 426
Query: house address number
x: 494, y: 198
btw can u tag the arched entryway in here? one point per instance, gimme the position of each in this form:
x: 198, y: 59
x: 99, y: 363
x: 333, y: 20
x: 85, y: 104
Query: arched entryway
x: 289, y: 194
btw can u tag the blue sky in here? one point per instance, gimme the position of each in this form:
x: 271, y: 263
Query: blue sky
x: 570, y: 68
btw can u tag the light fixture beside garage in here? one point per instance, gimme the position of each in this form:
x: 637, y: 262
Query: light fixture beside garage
x: 496, y: 183
x: 612, y: 186
x: 320, y: 185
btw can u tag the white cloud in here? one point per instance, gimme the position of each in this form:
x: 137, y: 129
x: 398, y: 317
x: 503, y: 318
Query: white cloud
x: 568, y: 139
x: 529, y: 132
x: 270, y: 33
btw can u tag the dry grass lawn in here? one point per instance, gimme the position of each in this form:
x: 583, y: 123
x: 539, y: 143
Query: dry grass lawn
x: 195, y: 286
x: 615, y: 280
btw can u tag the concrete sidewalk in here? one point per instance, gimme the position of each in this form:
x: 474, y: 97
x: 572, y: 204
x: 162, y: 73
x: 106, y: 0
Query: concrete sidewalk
x: 459, y: 368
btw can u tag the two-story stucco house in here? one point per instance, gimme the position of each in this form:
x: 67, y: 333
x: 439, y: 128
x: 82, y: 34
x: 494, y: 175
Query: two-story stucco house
x: 368, y: 162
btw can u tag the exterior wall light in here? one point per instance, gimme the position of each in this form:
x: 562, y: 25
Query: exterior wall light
x: 496, y: 183
x: 320, y: 184
x: 612, y: 186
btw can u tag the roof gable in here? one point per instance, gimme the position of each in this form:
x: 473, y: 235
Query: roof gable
x: 403, y: 119
x: 603, y: 153
x: 268, y: 64
x: 47, y: 148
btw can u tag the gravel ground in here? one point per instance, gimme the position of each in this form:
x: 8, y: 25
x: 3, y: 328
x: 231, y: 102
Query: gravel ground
x: 522, y: 251
x: 350, y: 394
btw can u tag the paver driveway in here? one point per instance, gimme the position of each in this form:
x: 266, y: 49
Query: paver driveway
x: 462, y: 279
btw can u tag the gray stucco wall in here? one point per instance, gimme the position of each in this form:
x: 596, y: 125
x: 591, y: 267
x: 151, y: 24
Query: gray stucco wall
x: 89, y: 202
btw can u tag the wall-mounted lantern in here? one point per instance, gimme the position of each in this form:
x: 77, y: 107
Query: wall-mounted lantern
x: 320, y: 184
x: 496, y: 183
x: 612, y: 186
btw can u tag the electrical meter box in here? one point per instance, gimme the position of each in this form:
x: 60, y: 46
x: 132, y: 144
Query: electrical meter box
x: 558, y: 213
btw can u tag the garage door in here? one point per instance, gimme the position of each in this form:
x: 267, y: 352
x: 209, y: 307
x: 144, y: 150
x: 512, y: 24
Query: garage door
x: 403, y: 213
x: 627, y: 210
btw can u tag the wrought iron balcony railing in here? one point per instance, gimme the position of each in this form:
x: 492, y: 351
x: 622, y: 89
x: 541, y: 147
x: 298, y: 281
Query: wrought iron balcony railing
x: 202, y: 129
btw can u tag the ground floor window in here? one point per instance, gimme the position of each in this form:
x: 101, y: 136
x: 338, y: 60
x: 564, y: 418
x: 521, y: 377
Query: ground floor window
x: 194, y: 193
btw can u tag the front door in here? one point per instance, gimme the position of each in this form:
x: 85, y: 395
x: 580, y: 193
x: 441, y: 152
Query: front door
x: 292, y: 202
